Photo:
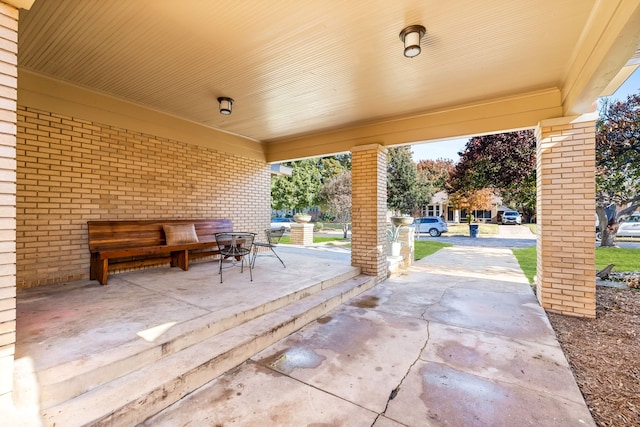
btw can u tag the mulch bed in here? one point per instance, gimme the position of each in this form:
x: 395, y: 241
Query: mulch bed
x: 604, y: 354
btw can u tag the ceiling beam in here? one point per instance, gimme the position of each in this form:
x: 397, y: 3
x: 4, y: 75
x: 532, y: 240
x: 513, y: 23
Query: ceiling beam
x: 492, y: 116
x: 610, y: 38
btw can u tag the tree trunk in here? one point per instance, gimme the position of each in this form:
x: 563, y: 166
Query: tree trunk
x: 607, y: 230
x: 608, y: 237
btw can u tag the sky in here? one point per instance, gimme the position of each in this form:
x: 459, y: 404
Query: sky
x: 449, y: 149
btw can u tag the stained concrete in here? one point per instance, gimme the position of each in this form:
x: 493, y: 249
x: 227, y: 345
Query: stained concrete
x: 459, y: 339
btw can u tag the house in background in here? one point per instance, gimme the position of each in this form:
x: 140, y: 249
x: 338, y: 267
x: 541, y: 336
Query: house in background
x: 439, y: 206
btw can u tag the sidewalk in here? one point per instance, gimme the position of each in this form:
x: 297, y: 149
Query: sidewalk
x: 458, y: 340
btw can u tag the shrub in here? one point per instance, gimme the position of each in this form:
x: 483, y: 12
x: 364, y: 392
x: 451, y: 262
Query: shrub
x: 318, y: 226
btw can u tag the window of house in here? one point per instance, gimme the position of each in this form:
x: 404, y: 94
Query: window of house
x: 482, y: 214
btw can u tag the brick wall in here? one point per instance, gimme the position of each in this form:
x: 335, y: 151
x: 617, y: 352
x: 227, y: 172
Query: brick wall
x: 8, y: 96
x: 369, y: 210
x: 71, y: 171
x: 565, y: 210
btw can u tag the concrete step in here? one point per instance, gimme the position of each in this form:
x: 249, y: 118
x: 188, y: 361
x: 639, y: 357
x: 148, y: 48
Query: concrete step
x: 135, y: 393
x: 64, y: 381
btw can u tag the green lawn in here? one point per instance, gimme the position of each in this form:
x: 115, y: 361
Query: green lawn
x: 287, y: 239
x: 624, y: 259
x: 330, y: 226
x: 424, y: 248
x: 463, y: 229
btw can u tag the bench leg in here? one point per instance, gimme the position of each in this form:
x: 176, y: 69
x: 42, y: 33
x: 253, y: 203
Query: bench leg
x: 180, y: 259
x: 99, y: 269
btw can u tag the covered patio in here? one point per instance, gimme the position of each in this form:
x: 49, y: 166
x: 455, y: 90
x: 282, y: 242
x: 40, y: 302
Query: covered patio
x: 109, y: 111
x: 459, y: 337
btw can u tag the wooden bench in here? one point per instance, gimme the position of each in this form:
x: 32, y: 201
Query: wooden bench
x: 140, y: 243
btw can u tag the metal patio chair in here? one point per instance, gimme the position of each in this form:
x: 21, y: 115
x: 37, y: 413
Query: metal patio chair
x: 235, y: 245
x: 273, y: 238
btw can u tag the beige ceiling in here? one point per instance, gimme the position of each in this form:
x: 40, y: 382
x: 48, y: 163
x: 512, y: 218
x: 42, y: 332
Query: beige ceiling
x: 304, y: 68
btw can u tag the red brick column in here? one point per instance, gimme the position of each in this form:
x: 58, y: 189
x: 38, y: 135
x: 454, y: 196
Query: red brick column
x: 369, y: 209
x: 565, y: 280
x: 8, y: 97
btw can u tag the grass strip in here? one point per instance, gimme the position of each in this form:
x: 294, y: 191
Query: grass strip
x: 624, y: 259
x: 423, y: 248
x: 287, y: 239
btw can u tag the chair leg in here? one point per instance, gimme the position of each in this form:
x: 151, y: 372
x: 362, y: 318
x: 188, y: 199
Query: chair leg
x: 220, y: 268
x: 279, y: 259
x: 254, y: 256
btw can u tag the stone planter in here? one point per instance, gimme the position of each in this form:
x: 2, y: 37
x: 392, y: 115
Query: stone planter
x: 302, y: 218
x: 401, y: 221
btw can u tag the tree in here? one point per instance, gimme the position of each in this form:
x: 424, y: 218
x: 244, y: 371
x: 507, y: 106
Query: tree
x: 504, y: 162
x: 300, y: 190
x: 336, y: 197
x: 436, y: 172
x: 406, y: 191
x: 471, y: 200
x: 617, y: 164
x: 333, y: 166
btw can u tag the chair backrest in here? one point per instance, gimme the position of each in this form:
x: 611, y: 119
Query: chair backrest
x: 274, y: 236
x: 235, y: 244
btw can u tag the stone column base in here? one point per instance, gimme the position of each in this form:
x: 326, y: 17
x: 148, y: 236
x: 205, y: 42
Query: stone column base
x: 302, y: 234
x: 407, y: 251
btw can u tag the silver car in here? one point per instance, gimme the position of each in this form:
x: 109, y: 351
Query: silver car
x: 277, y: 223
x: 630, y: 227
x: 511, y: 217
x: 433, y: 225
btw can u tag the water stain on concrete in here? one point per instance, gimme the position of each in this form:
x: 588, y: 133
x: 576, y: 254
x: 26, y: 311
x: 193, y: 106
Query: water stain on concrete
x: 366, y: 302
x: 323, y: 320
x: 461, y: 399
x: 458, y: 354
x: 286, y: 361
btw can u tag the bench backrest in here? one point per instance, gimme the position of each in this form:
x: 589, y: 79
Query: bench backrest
x: 104, y: 235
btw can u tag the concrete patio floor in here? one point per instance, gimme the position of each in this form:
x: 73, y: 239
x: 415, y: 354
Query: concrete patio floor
x: 457, y: 340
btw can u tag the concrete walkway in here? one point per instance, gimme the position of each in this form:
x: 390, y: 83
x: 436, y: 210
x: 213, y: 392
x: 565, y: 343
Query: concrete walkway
x: 459, y: 340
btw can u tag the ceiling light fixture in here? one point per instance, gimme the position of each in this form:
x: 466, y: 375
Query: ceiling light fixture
x: 225, y: 105
x: 411, y: 37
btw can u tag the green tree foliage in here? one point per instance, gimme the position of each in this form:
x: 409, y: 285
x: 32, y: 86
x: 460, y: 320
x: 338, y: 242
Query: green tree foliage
x: 334, y: 165
x: 335, y: 196
x: 505, y: 162
x: 617, y: 163
x: 407, y: 192
x: 436, y: 172
x: 300, y: 190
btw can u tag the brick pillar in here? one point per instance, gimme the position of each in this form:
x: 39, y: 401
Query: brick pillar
x: 369, y: 209
x: 566, y: 281
x: 302, y: 234
x: 8, y: 99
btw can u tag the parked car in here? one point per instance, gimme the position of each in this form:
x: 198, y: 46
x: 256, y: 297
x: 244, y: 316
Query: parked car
x: 629, y: 227
x: 433, y: 225
x: 277, y: 223
x: 511, y: 217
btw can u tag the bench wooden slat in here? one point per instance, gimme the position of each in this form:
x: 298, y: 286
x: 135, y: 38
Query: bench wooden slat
x: 133, y: 238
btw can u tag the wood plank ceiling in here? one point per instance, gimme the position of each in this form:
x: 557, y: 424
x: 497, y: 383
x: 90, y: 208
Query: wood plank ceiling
x: 301, y: 67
